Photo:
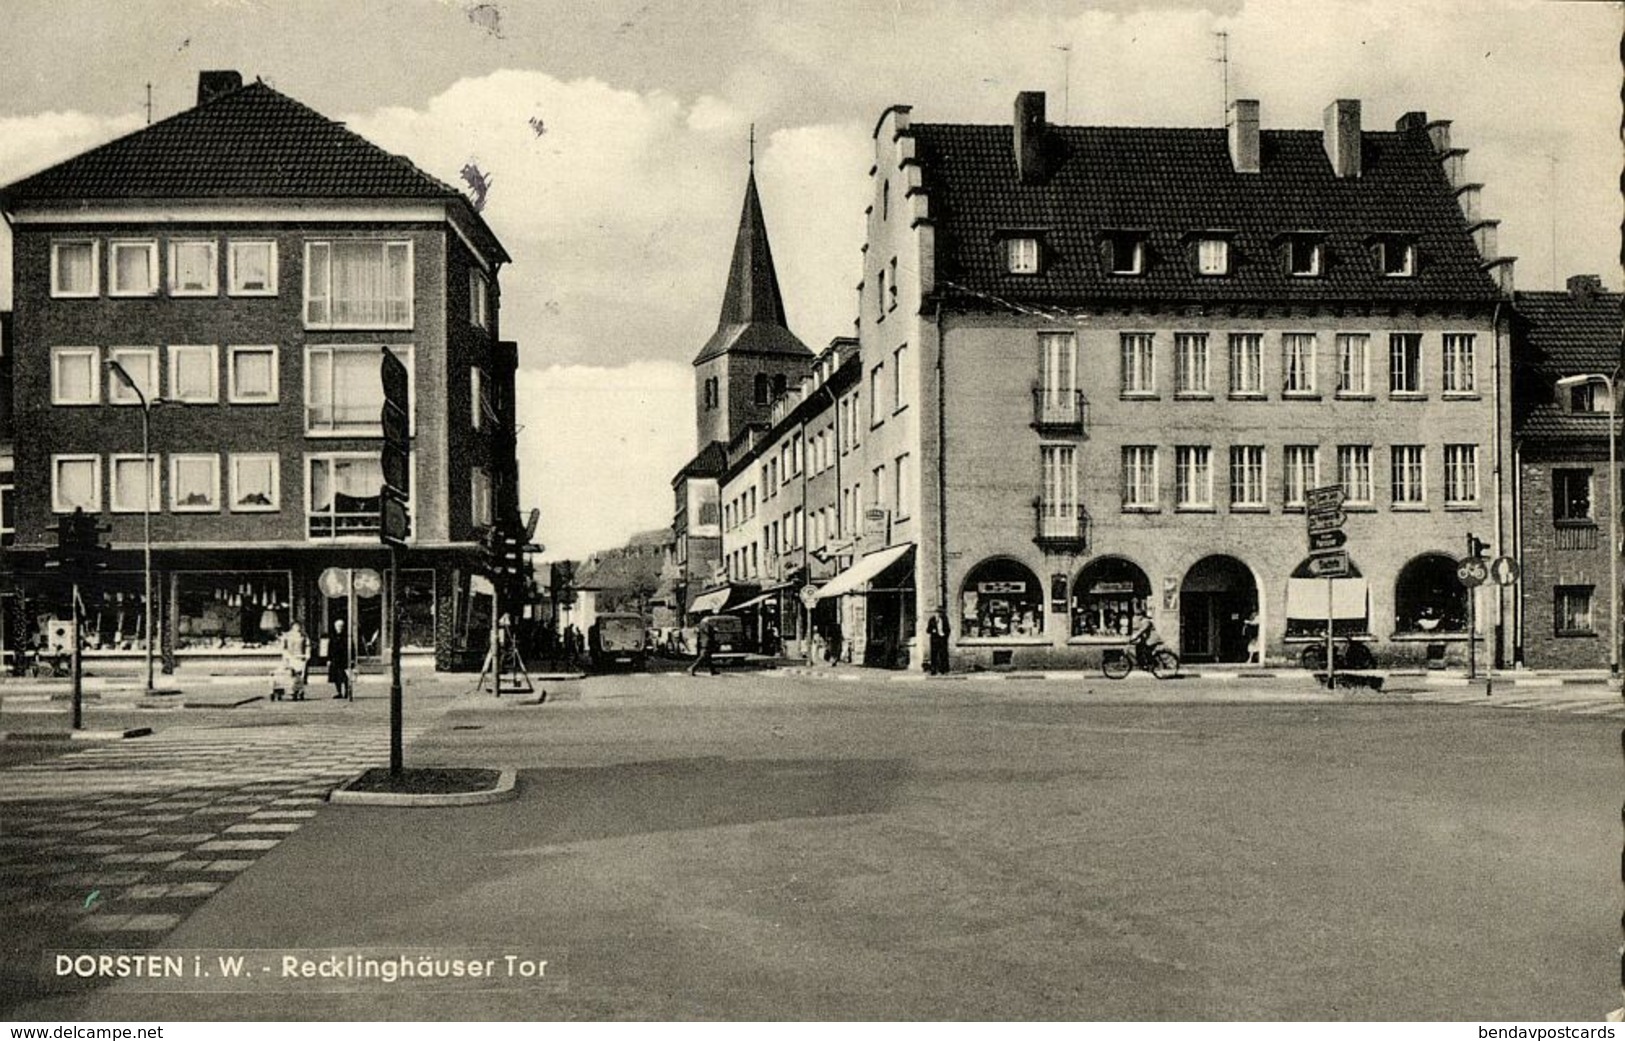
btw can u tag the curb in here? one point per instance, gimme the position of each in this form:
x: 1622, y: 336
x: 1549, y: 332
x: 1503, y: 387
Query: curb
x: 75, y: 735
x: 506, y: 788
x: 224, y: 702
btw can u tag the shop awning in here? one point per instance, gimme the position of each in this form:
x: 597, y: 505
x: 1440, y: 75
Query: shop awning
x: 1306, y: 599
x: 864, y: 571
x: 712, y: 601
x: 756, y: 601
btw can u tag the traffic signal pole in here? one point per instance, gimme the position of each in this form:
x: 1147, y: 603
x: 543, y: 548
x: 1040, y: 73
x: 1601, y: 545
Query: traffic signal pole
x: 78, y: 684
x: 396, y: 708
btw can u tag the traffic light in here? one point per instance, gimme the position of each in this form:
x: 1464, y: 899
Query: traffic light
x: 395, y: 458
x: 79, y: 550
x: 1477, y: 547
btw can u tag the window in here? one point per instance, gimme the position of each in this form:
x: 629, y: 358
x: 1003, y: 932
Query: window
x: 132, y: 268
x: 1058, y: 509
x: 74, y: 268
x: 1021, y: 256
x: 194, y: 483
x: 255, y: 482
x: 1409, y: 487
x: 344, y: 393
x: 1001, y: 599
x: 902, y: 492
x: 478, y: 300
x: 876, y: 416
x: 1139, y: 371
x: 358, y: 284
x: 342, y: 495
x: 194, y: 374
x: 1212, y: 257
x: 1572, y: 610
x: 476, y: 391
x: 1125, y: 254
x: 880, y: 293
x: 1303, y: 256
x: 134, y: 477
x: 481, y: 499
x: 76, y: 376
x: 193, y: 267
x: 1190, y: 363
x: 251, y: 268
x: 1588, y: 397
x: 76, y: 483
x: 891, y: 302
x: 1353, y: 364
x: 251, y: 375
x: 1461, y: 475
x: 1058, y: 377
x: 779, y: 385
x: 1246, y: 363
x: 1247, y: 476
x: 1193, y: 477
x: 1354, y: 473
x: 1396, y: 257
x: 898, y: 356
x: 1139, y: 477
x: 1300, y: 471
x: 879, y: 485
x: 1571, y: 497
x: 141, y: 365
x: 857, y: 396
x: 1459, y: 374
x: 1405, y: 363
x: 1298, y: 363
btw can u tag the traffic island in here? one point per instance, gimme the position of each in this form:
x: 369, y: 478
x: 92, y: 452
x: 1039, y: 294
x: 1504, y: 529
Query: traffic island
x: 75, y: 735
x: 427, y: 786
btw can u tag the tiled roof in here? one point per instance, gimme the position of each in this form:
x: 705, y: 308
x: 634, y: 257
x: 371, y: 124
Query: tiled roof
x: 1172, y: 183
x: 752, y: 319
x: 1562, y: 334
x: 710, y: 461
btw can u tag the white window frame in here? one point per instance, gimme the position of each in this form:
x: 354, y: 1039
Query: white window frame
x: 1300, y: 471
x: 1021, y: 255
x: 1354, y: 380
x: 95, y: 290
x: 1189, y: 348
x: 1349, y: 459
x: 234, y: 288
x: 95, y: 461
x: 1249, y: 477
x: 1140, y: 475
x: 184, y: 350
x: 406, y: 352
x: 1212, y: 257
x: 877, y: 414
x: 58, y: 355
x: 902, y: 501
x: 1406, y: 268
x: 899, y: 401
x: 236, y: 489
x: 1193, y: 477
x: 1316, y: 256
x: 175, y: 463
x: 1460, y: 359
x: 482, y: 505
x: 1461, y: 489
x: 367, y: 535
x: 213, y: 287
x: 1136, y: 254
x: 1058, y: 472
x: 384, y: 244
x: 1417, y: 459
x: 234, y: 393
x: 1137, y: 354
x: 155, y: 483
x: 479, y: 299
x: 128, y: 358
x: 1565, y: 595
x: 1398, y: 342
x: 1246, y: 354
x: 116, y: 246
x: 1299, y: 360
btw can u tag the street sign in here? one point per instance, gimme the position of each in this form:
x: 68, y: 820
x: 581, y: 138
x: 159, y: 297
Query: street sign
x: 809, y: 596
x: 1471, y: 571
x: 1326, y: 498
x: 1504, y: 571
x: 1330, y: 565
x: 334, y: 582
x: 1323, y: 540
x: 1329, y: 520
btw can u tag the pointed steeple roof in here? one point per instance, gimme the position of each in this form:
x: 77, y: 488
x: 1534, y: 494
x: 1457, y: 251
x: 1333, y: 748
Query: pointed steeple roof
x: 752, y: 319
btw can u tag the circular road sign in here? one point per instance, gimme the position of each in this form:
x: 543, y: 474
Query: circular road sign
x: 1504, y: 571
x: 368, y: 583
x: 1471, y: 571
x: 335, y: 582
x: 809, y: 596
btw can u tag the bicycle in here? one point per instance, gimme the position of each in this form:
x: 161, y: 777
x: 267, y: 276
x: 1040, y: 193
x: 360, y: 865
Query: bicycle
x: 1346, y: 653
x: 1120, y: 661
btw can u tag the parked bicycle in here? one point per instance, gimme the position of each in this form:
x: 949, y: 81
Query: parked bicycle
x: 1120, y: 661
x: 1346, y: 653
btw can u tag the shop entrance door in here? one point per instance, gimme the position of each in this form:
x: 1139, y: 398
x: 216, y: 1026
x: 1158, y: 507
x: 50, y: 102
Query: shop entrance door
x: 1216, y: 600
x: 361, y: 606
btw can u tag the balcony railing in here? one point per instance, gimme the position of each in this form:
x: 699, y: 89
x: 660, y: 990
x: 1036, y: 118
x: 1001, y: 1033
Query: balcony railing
x: 1060, y: 411
x: 1061, y: 525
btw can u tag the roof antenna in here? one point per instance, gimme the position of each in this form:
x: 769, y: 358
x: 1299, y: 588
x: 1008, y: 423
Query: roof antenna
x: 1224, y: 63
x: 149, y: 104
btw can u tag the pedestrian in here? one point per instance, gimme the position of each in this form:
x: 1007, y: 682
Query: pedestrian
x: 936, y: 631
x: 1249, y: 630
x: 295, y: 660
x: 707, y: 641
x: 770, y: 646
x: 338, y: 663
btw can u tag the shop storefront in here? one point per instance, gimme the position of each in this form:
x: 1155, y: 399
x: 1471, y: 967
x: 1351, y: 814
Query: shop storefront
x: 1106, y: 597
x: 1001, y: 598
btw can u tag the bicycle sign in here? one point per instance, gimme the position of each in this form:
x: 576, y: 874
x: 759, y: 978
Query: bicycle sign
x: 1471, y: 571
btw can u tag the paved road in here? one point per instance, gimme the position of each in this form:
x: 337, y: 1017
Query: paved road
x: 772, y: 847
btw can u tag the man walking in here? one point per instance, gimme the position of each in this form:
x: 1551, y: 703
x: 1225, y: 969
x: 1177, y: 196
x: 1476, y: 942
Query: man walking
x: 707, y: 640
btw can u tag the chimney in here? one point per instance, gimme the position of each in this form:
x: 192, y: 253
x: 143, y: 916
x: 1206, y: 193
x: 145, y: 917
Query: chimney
x: 1029, y: 136
x: 1343, y: 136
x: 1584, y: 288
x: 212, y: 84
x: 1242, y: 122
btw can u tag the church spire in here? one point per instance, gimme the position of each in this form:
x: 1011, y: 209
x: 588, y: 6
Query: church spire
x: 752, y: 293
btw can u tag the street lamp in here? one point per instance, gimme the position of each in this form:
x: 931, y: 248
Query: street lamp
x: 146, y: 503
x: 1613, y: 507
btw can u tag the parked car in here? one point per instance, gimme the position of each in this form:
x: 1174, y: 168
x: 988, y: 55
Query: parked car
x: 729, y: 632
x: 618, y: 639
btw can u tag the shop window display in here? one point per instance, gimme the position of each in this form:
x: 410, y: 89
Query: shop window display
x: 231, y: 610
x: 1106, y: 597
x: 1001, y: 598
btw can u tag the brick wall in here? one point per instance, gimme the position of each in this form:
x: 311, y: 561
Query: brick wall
x: 1554, y: 555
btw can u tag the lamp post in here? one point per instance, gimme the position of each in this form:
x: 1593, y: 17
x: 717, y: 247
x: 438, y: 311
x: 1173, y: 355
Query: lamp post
x: 146, y: 505
x: 1613, y: 508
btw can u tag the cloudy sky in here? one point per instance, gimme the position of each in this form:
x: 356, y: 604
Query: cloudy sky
x: 621, y: 213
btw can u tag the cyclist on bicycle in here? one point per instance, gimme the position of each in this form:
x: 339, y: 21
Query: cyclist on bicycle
x: 1144, y: 639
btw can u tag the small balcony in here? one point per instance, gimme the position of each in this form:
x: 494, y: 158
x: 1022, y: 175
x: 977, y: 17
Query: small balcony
x: 1061, y: 526
x: 1060, y: 411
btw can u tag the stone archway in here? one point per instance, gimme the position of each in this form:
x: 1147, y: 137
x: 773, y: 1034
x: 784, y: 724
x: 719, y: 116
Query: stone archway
x: 1217, y: 599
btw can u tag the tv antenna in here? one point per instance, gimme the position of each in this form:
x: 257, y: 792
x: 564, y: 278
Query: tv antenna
x: 1224, y: 64
x: 149, y: 104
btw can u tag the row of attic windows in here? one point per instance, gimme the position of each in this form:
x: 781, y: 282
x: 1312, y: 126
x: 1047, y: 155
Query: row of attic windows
x: 1303, y: 254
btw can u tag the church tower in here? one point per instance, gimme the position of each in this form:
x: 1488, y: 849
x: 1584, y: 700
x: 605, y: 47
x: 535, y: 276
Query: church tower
x: 753, y: 356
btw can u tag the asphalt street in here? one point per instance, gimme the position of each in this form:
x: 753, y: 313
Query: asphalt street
x: 781, y: 846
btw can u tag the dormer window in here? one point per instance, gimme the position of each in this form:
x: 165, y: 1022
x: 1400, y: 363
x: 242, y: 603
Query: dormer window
x: 1588, y: 397
x: 1125, y: 254
x: 1396, y: 256
x: 1212, y: 256
x: 1305, y: 256
x: 1021, y: 255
